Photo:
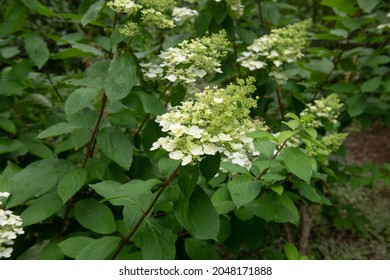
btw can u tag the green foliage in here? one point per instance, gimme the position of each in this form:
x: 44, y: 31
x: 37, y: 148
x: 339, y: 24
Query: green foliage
x: 84, y: 149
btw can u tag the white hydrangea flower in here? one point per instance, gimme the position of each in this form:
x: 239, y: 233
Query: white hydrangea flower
x: 212, y: 123
x: 10, y: 227
x: 189, y: 61
x: 282, y: 46
x: 181, y: 14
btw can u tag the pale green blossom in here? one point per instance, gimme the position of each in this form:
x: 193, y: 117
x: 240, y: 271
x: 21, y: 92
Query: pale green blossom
x: 152, y: 12
x: 129, y: 29
x: 316, y: 115
x: 324, y: 109
x: 124, y: 6
x: 10, y: 227
x: 190, y: 60
x: 217, y: 121
x: 283, y: 45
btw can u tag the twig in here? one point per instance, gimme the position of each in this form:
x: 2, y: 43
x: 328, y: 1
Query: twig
x: 146, y: 213
x: 261, y: 14
x: 53, y: 85
x: 91, y: 143
x: 274, y: 156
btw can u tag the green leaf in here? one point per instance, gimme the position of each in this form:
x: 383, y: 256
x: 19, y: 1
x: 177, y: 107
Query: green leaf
x: 371, y: 85
x: 115, y: 145
x: 222, y: 201
x: 356, y: 105
x: 274, y: 207
x: 51, y: 252
x: 36, y: 49
x: 99, y: 249
x: 87, y: 49
x: 7, y: 125
x: 38, y: 7
x: 292, y: 124
x: 9, y: 145
x: 34, y: 251
x: 279, y: 189
x: 156, y: 241
x: 94, y: 216
x: 344, y: 87
x: 187, y: 179
x: 121, y: 77
x: 58, y: 129
x: 243, y: 189
x: 132, y: 213
x: 368, y: 5
x: 73, y: 52
x: 80, y: 99
x: 308, y: 191
x: 233, y: 167
x: 14, y: 18
x: 135, y: 192
x: 72, y: 246
x: 311, y: 132
x: 92, y: 12
x: 297, y: 162
x: 40, y: 176
x: 148, y: 103
x: 264, y: 164
x: 265, y: 147
x: 209, y: 166
x: 41, y: 209
x: 37, y: 148
x: 202, y: 22
x: 71, y: 183
x: 198, y: 215
x: 346, y: 6
x: 262, y: 135
x: 285, y: 135
x: 291, y: 251
x: 172, y: 41
x: 200, y: 250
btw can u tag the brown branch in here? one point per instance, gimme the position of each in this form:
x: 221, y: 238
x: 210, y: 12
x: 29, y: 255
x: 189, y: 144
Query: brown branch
x: 289, y: 233
x: 261, y: 14
x: 236, y: 54
x: 281, y: 108
x: 53, y: 86
x: 306, y: 227
x: 91, y: 143
x: 274, y: 156
x: 146, y: 213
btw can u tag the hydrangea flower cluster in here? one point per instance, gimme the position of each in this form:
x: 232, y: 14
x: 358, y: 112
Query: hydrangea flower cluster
x: 152, y: 12
x: 10, y: 226
x: 235, y: 7
x: 190, y: 60
x: 181, y: 14
x: 327, y: 108
x: 217, y: 121
x: 324, y: 109
x: 282, y: 46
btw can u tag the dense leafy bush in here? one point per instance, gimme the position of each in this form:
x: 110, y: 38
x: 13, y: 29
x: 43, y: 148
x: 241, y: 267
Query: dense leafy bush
x: 155, y: 129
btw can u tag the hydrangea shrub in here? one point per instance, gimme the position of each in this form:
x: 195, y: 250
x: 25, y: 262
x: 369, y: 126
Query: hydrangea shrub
x: 151, y: 129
